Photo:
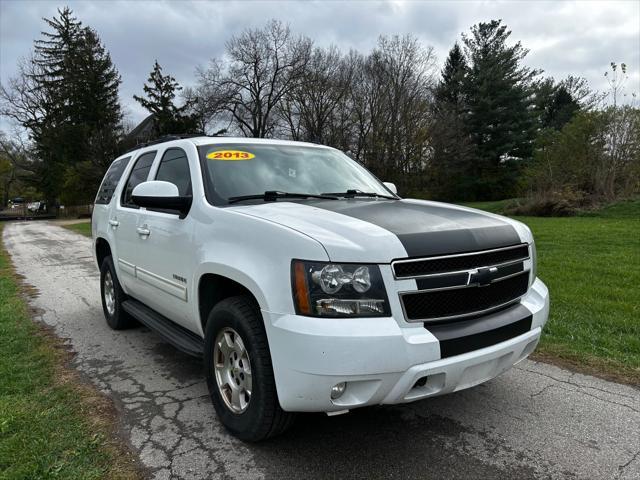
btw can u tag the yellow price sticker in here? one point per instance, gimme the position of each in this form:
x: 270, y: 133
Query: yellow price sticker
x: 230, y: 155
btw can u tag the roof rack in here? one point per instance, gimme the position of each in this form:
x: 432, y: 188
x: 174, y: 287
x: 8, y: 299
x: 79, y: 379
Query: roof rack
x: 170, y: 137
x: 174, y: 136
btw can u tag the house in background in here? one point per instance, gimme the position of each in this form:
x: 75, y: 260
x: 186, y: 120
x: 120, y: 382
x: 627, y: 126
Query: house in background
x: 142, y: 133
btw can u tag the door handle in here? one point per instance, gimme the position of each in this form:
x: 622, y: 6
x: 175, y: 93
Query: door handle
x: 144, y: 230
x: 114, y: 223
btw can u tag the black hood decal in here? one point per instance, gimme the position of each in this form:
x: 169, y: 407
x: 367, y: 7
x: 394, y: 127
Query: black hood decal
x: 429, y: 229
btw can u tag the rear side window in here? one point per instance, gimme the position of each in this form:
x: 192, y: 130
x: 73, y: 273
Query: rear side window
x: 174, y: 168
x: 110, y: 181
x: 138, y: 174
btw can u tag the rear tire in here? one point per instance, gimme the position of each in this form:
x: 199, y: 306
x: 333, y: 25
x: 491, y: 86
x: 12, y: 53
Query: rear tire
x: 237, y: 353
x: 112, y: 297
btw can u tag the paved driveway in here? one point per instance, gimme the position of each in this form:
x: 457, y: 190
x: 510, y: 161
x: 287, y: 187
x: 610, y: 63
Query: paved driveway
x: 535, y: 421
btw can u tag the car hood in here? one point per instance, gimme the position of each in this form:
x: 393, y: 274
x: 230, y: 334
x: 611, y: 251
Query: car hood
x: 379, y: 231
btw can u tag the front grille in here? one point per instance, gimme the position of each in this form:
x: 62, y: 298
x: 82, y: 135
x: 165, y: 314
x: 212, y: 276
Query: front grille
x: 459, y: 262
x: 439, y: 304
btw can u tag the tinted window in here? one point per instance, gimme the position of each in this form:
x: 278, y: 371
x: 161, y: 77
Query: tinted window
x: 138, y: 175
x: 174, y: 168
x: 110, y: 181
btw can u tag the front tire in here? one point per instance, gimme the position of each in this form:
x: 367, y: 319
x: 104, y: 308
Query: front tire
x: 239, y: 371
x: 112, y: 297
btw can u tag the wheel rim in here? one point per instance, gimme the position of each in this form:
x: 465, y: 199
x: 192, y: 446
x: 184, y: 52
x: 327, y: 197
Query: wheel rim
x: 109, y: 293
x: 232, y: 370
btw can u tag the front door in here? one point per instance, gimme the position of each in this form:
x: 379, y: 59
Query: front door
x: 124, y: 223
x: 166, y: 259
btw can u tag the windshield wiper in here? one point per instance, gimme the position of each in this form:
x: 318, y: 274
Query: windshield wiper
x: 272, y: 196
x: 359, y: 193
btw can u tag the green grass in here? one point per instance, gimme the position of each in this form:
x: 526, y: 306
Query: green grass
x: 83, y: 228
x: 624, y: 209
x: 591, y: 265
x: 496, y: 206
x: 51, y: 426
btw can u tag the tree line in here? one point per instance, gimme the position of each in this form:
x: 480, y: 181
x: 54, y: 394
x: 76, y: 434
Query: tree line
x: 484, y: 127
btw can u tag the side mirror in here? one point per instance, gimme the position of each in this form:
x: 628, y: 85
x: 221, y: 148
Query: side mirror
x: 160, y: 195
x: 391, y: 186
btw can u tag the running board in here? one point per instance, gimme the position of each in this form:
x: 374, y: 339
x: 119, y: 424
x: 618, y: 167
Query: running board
x: 181, y: 338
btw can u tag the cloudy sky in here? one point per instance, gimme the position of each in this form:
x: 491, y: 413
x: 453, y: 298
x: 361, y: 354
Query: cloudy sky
x: 564, y: 37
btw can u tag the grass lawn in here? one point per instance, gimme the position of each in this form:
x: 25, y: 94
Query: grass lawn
x: 51, y: 425
x: 495, y: 206
x: 83, y: 228
x: 591, y: 265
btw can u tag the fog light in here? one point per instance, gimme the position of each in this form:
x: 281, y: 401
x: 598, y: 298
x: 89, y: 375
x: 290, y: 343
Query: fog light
x: 337, y: 390
x: 420, y: 383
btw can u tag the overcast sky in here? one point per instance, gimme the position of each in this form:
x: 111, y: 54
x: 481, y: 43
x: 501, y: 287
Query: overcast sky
x: 564, y: 37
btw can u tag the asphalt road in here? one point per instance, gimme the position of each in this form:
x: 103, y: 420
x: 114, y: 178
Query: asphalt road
x: 535, y: 421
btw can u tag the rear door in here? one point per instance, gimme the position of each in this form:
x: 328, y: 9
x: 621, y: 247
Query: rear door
x: 125, y: 222
x: 165, y: 262
x: 103, y: 208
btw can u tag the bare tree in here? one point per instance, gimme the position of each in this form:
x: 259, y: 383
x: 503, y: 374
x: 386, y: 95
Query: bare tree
x: 619, y: 165
x: 363, y: 97
x: 578, y: 88
x: 7, y: 170
x: 21, y: 100
x: 309, y: 108
x: 17, y: 165
x: 617, y: 81
x: 374, y: 107
x: 264, y: 66
x: 210, y: 98
x: 391, y: 101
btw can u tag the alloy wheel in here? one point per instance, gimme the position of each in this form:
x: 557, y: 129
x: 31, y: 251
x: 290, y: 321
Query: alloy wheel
x: 232, y: 370
x: 109, y: 293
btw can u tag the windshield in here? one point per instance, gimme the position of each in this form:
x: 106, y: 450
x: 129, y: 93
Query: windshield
x: 235, y: 170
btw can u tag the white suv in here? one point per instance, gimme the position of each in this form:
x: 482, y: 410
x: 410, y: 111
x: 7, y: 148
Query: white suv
x: 305, y: 283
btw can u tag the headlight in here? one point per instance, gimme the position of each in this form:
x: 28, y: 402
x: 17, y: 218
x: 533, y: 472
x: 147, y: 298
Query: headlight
x: 338, y: 290
x: 534, y: 263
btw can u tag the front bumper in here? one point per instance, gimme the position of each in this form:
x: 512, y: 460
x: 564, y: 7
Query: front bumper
x: 381, y: 359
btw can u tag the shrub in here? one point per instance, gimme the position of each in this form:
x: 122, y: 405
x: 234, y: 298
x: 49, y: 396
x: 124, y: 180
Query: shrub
x: 564, y: 203
x: 594, y: 159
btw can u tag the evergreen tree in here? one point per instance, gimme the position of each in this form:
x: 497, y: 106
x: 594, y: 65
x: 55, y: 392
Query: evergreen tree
x: 560, y: 110
x: 451, y: 86
x: 450, y: 167
x: 554, y: 103
x: 66, y: 96
x: 99, y: 118
x: 160, y: 93
x: 55, y: 55
x: 500, y: 120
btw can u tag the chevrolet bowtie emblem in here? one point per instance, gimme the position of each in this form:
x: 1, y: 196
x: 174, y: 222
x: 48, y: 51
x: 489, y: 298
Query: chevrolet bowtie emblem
x: 482, y: 276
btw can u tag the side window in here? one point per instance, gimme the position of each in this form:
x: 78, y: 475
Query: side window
x: 110, y: 181
x: 138, y: 174
x: 174, y: 168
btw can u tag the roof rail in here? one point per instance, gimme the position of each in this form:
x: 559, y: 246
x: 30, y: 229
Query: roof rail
x: 175, y: 136
x: 172, y: 136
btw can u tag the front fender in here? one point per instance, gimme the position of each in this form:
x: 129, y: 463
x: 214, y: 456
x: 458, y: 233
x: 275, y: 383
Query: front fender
x: 232, y: 273
x: 253, y: 252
